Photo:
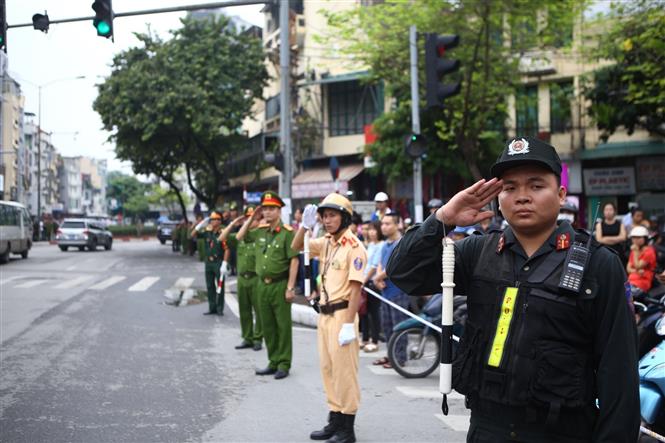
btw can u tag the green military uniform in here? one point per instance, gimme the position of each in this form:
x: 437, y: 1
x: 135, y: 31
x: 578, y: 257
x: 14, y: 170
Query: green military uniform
x: 248, y: 302
x: 273, y: 258
x: 214, y: 256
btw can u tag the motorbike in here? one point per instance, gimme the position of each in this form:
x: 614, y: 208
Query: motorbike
x: 652, y: 387
x: 414, y: 347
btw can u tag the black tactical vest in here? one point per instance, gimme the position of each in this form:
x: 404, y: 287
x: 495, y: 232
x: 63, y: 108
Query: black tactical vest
x: 547, y: 357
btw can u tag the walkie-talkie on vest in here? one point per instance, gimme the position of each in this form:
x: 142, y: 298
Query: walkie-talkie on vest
x: 576, y: 260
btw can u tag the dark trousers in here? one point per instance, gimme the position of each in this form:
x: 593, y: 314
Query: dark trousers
x: 483, y: 432
x: 215, y: 300
x: 390, y: 317
x: 370, y: 323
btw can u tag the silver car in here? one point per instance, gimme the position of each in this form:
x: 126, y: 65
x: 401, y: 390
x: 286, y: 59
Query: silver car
x: 82, y: 233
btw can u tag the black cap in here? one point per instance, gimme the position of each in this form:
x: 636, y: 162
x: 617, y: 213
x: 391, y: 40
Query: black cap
x: 527, y: 150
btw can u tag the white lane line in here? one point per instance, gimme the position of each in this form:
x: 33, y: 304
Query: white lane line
x: 71, y: 268
x: 427, y: 393
x: 458, y: 423
x: 72, y: 283
x: 183, y: 283
x: 380, y: 370
x: 30, y: 284
x: 7, y: 280
x: 108, y: 282
x: 143, y: 284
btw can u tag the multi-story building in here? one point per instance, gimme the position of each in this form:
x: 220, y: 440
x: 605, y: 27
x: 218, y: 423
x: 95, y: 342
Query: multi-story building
x: 13, y: 165
x: 42, y: 171
x: 82, y: 185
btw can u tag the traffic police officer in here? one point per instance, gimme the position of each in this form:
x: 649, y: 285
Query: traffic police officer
x: 276, y: 269
x: 535, y: 357
x: 248, y: 305
x: 342, y: 262
x: 216, y: 257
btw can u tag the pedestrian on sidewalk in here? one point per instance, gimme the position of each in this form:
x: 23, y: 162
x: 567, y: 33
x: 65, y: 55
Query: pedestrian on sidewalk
x: 216, y: 260
x: 371, y: 327
x: 248, y: 303
x: 343, y: 259
x: 276, y: 269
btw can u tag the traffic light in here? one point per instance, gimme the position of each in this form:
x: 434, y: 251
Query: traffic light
x: 416, y: 146
x: 41, y: 22
x: 3, y: 26
x: 103, y: 20
x: 437, y: 66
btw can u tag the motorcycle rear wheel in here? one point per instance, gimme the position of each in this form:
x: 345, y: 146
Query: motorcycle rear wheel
x: 417, y: 364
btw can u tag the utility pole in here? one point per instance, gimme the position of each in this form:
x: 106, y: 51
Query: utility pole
x: 39, y: 162
x: 415, y: 125
x: 285, y: 102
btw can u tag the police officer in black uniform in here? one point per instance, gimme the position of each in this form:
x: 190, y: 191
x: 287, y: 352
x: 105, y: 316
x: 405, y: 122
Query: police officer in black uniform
x: 537, y: 363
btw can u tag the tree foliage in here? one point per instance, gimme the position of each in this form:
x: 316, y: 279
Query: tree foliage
x: 181, y: 101
x: 129, y: 192
x: 631, y: 91
x: 467, y: 135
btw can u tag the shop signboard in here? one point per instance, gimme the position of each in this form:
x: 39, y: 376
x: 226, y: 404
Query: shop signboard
x: 650, y: 173
x: 609, y: 181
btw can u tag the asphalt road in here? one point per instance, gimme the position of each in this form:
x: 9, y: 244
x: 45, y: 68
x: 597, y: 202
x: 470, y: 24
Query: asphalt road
x: 89, y: 352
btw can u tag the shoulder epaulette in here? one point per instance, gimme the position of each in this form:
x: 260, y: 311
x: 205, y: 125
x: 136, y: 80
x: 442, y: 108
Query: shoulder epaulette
x: 263, y: 226
x: 288, y: 227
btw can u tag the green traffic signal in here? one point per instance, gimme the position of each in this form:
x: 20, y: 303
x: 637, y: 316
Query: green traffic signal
x: 103, y: 28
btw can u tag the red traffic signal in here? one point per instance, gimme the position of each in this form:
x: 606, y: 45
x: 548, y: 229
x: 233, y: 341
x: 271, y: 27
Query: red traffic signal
x: 436, y: 67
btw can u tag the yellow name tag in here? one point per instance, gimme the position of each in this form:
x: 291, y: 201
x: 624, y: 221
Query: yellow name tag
x: 502, y: 328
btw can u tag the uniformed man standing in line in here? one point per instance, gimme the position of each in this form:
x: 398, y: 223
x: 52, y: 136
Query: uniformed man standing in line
x: 276, y: 269
x: 342, y: 262
x: 216, y: 260
x: 537, y: 352
x: 248, y: 305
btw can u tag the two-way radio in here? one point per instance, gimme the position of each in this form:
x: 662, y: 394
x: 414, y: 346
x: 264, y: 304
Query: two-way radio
x: 576, y: 260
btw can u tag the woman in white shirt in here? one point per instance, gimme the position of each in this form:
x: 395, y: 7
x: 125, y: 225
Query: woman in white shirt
x: 371, y: 321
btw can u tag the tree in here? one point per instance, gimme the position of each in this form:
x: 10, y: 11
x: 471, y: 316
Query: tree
x: 467, y: 135
x: 167, y: 198
x: 182, y: 101
x: 631, y: 91
x: 123, y: 187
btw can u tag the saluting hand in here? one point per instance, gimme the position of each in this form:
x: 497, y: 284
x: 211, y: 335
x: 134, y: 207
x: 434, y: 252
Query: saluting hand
x: 464, y: 209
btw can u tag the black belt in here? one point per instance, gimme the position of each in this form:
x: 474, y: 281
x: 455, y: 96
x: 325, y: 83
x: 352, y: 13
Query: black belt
x: 330, y: 309
x: 248, y: 274
x: 270, y: 280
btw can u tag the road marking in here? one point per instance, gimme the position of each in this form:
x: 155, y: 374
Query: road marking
x: 143, y: 284
x: 71, y: 268
x: 108, y: 282
x: 30, y: 284
x: 380, y: 370
x: 232, y: 303
x: 458, y: 423
x: 71, y: 283
x: 427, y: 393
x: 183, y: 283
x: 7, y: 280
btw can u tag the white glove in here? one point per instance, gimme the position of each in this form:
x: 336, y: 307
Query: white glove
x: 347, y: 334
x: 202, y: 223
x: 309, y: 217
x: 224, y: 269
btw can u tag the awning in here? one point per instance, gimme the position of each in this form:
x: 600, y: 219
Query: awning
x: 317, y: 182
x: 623, y: 149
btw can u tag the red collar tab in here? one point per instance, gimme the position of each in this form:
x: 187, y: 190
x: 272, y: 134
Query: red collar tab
x: 499, y: 247
x: 563, y: 241
x: 277, y: 229
x: 343, y: 241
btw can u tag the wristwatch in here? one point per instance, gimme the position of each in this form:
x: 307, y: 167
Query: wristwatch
x: 290, y: 289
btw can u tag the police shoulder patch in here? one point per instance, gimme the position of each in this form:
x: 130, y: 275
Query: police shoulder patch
x: 263, y: 226
x: 358, y: 263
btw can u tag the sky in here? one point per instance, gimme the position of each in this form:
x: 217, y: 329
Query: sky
x: 71, y: 50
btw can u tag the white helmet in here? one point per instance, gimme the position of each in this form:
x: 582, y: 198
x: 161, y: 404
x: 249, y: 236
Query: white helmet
x: 381, y: 197
x: 639, y: 231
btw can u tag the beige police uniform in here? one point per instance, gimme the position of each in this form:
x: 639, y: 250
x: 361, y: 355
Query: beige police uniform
x: 341, y: 262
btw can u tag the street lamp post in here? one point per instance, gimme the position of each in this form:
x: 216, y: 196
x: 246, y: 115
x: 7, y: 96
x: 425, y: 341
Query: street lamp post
x: 39, y: 142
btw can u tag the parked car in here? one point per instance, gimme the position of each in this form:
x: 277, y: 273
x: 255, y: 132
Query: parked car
x: 15, y: 230
x: 165, y: 230
x: 82, y: 233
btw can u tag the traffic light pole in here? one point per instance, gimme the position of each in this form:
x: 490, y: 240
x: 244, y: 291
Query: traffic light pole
x: 415, y: 125
x: 198, y: 7
x: 285, y: 102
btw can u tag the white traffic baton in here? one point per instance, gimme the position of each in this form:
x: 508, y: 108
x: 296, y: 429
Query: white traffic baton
x: 447, y: 285
x: 308, y: 274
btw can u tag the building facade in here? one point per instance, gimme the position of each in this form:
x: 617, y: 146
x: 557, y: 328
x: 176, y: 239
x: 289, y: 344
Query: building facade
x: 82, y: 185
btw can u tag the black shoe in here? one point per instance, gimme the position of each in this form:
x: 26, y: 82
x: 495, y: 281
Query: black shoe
x: 221, y: 314
x: 344, y: 434
x: 328, y: 430
x: 257, y: 346
x: 210, y: 313
x: 266, y: 371
x: 281, y: 373
x: 244, y: 345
